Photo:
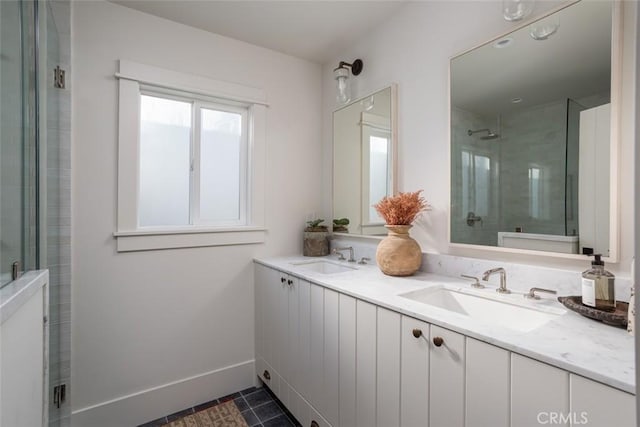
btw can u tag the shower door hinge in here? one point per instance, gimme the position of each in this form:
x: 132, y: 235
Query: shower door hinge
x: 59, y: 395
x: 15, y: 270
x: 58, y: 78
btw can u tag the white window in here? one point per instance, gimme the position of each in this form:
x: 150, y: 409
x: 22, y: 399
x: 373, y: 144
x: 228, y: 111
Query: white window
x: 191, y: 161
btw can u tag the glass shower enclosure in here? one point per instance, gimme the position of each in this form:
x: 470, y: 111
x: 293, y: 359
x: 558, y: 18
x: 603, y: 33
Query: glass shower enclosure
x: 19, y: 175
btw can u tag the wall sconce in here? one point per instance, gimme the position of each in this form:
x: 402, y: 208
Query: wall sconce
x: 341, y: 74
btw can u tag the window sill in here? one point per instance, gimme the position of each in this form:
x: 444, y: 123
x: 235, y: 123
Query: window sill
x: 187, y: 237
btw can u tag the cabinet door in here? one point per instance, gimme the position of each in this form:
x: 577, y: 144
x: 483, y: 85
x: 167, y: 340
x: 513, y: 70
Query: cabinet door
x: 281, y: 328
x: 446, y: 378
x: 595, y: 404
x: 270, y: 291
x: 317, y: 344
x: 388, y: 368
x: 304, y: 338
x: 347, y: 332
x: 292, y: 357
x: 414, y: 406
x: 331, y: 358
x: 487, y: 385
x: 365, y: 364
x: 538, y: 393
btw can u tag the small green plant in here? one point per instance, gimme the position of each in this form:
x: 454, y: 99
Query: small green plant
x: 315, y: 225
x: 341, y: 222
x: 340, y: 225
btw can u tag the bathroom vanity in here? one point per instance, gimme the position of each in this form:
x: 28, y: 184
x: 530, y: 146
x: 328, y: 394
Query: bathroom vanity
x: 341, y: 344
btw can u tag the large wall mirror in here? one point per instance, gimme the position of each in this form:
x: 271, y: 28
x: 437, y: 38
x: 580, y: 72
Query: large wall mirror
x: 364, y: 147
x: 533, y: 162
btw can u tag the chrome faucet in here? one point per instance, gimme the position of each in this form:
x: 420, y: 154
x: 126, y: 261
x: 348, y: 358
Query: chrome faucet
x: 532, y: 292
x: 347, y: 248
x: 503, y: 279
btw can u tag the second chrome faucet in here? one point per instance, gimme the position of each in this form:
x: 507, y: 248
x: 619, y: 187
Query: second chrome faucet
x: 503, y: 279
x: 341, y: 256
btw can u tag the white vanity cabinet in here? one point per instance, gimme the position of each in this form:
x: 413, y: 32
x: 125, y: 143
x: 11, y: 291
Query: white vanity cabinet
x: 338, y: 361
x: 538, y: 392
x: 414, y: 368
x: 446, y: 378
x: 596, y: 404
x: 487, y: 385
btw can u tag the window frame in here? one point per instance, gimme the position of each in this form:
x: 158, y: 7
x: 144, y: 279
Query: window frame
x: 136, y: 79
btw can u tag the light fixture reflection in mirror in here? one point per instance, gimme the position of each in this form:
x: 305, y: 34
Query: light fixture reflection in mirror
x: 544, y: 28
x: 543, y: 182
x: 364, y: 144
x: 517, y: 10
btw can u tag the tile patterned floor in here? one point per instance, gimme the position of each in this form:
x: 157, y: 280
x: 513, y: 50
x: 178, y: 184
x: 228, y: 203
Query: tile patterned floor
x: 259, y: 407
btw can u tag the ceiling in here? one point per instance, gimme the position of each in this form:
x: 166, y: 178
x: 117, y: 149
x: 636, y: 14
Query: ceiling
x: 311, y: 29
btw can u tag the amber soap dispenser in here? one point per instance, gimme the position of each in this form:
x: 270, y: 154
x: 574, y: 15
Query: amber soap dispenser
x: 598, y: 286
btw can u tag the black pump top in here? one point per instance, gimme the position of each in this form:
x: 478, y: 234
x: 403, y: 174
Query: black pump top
x: 597, y: 260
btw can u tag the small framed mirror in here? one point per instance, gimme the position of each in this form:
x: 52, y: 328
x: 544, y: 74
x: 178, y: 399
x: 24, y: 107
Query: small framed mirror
x: 364, y: 161
x: 534, y: 136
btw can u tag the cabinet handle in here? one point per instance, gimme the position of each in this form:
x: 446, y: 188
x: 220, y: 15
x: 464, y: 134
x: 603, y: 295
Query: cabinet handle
x: 314, y: 424
x: 290, y: 282
x: 438, y: 341
x: 417, y: 333
x: 266, y: 375
x: 282, y: 280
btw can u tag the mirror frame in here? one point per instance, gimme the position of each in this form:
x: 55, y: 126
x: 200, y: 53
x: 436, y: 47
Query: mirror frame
x: 394, y: 153
x: 616, y: 98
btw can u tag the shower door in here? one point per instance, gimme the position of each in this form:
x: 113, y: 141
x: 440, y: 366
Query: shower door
x: 18, y: 117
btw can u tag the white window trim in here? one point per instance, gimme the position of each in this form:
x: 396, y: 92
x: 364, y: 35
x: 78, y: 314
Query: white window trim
x: 133, y: 77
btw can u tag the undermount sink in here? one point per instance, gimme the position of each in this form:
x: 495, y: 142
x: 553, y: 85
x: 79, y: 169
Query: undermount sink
x: 324, y: 267
x: 488, y: 308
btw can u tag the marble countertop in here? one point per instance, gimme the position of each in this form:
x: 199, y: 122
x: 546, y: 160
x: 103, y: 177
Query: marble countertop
x: 16, y: 293
x: 570, y: 341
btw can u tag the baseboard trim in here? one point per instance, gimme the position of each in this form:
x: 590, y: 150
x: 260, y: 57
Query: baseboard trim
x: 146, y: 405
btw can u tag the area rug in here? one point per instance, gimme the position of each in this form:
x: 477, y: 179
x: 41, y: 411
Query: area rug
x: 223, y: 415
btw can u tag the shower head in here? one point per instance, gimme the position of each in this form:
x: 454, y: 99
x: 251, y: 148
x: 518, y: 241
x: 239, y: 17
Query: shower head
x: 489, y: 135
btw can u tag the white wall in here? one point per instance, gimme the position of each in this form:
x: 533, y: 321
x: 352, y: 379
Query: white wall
x: 413, y: 49
x: 147, y: 319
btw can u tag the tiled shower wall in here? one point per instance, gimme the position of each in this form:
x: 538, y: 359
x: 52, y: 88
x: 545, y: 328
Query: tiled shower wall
x: 486, y: 231
x: 58, y: 203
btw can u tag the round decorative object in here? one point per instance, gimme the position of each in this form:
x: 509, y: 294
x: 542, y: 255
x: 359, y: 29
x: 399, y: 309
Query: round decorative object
x: 615, y: 318
x: 398, y: 254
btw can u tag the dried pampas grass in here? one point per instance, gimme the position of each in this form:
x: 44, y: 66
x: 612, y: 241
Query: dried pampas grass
x: 402, y: 208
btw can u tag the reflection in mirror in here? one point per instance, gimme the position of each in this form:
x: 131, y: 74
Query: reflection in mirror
x: 363, y: 160
x: 530, y: 136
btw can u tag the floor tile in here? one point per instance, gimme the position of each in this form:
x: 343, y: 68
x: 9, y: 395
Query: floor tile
x: 267, y: 411
x: 280, y: 421
x: 250, y: 418
x: 241, y: 404
x: 258, y: 398
x: 248, y: 390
